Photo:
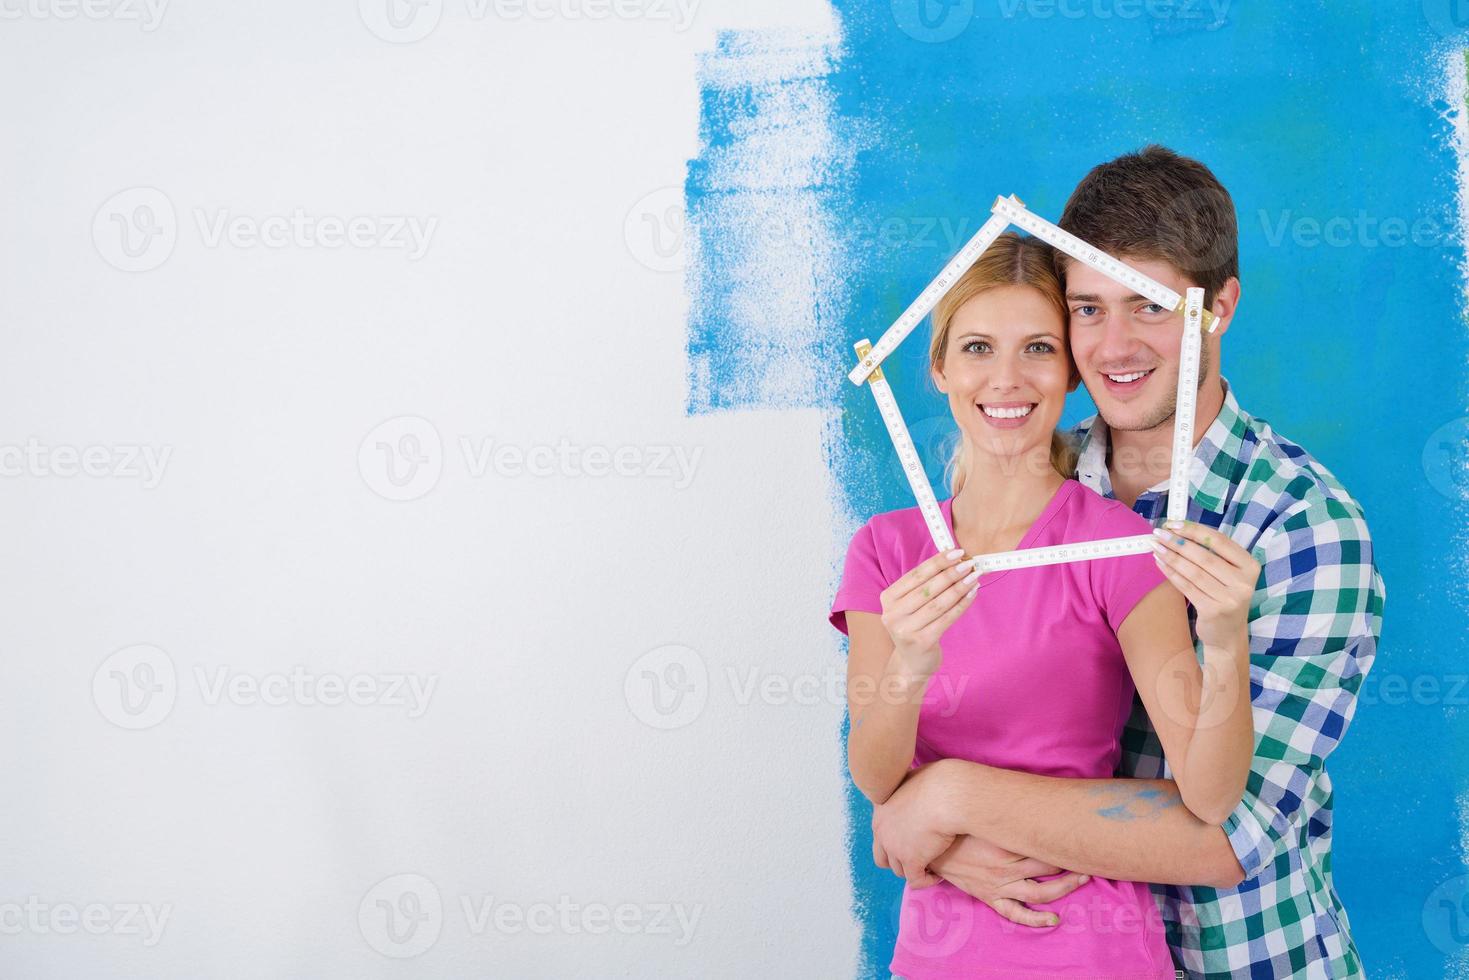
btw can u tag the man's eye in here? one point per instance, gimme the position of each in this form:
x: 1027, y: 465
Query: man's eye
x: 1085, y: 310
x: 1153, y: 308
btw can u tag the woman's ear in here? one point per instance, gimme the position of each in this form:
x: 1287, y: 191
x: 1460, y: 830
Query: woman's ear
x: 937, y: 374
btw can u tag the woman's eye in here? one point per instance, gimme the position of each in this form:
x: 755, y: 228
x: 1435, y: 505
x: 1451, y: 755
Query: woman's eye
x: 969, y: 347
x: 1042, y: 347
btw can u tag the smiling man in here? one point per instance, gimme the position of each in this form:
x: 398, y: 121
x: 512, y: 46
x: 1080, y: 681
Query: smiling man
x: 1254, y: 897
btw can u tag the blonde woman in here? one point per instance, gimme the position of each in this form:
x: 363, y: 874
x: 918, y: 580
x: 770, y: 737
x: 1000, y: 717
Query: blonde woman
x: 1034, y: 668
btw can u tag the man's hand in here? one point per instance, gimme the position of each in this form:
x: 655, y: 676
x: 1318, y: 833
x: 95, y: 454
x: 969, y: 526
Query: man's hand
x: 1001, y: 879
x: 904, y: 835
x: 908, y: 839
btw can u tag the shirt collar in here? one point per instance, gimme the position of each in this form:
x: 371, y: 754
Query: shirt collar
x: 1218, y: 462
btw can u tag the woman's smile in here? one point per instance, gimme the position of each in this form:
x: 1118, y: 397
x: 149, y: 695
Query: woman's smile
x: 1006, y: 415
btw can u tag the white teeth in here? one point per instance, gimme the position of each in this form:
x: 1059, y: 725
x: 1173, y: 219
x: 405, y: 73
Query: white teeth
x: 1007, y: 413
x: 1125, y: 378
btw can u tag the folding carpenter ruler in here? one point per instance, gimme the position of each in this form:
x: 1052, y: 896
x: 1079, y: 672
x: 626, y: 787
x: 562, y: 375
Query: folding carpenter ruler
x: 1005, y: 212
x: 870, y: 356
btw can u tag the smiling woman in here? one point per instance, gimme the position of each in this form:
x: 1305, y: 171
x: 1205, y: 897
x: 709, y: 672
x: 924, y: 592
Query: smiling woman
x: 1019, y: 276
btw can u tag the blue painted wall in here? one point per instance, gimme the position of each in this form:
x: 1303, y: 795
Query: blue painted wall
x: 1350, y: 339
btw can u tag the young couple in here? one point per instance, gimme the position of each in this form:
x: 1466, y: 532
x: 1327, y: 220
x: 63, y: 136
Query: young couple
x: 1111, y: 768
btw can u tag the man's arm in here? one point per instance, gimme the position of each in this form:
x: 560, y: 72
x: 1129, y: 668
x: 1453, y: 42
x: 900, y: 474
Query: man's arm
x: 1125, y: 829
x: 1314, y: 627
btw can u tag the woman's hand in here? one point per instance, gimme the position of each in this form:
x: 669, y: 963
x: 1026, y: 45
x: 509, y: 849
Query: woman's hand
x: 1002, y: 879
x: 1214, y: 574
x: 920, y: 606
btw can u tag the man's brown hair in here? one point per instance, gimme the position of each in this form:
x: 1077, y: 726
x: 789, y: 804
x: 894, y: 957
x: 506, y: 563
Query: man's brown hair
x: 1155, y: 204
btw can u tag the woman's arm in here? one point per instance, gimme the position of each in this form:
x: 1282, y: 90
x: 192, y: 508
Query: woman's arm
x: 884, y: 695
x: 1201, y: 714
x: 890, y: 659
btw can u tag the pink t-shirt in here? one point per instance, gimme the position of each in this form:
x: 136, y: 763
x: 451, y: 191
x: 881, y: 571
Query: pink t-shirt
x: 1032, y: 679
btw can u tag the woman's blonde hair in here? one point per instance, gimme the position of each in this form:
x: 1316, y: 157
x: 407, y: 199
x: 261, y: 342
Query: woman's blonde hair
x: 1010, y: 261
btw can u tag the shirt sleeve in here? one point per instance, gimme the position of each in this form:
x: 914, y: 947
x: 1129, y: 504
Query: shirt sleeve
x: 862, y: 579
x: 1120, y: 583
x: 1314, y: 625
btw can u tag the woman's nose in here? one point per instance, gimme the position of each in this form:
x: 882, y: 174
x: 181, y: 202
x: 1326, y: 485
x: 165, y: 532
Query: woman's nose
x: 1006, y: 374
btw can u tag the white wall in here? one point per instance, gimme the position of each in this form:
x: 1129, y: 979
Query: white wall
x: 529, y: 770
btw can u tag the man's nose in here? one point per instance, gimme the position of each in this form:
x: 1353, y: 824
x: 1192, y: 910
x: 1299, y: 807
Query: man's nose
x: 1117, y: 342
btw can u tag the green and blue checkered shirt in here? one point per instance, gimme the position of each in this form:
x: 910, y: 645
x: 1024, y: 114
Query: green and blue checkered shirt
x: 1314, y: 625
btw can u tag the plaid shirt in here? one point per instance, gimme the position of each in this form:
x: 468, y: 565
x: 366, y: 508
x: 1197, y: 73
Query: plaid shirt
x: 1314, y: 625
